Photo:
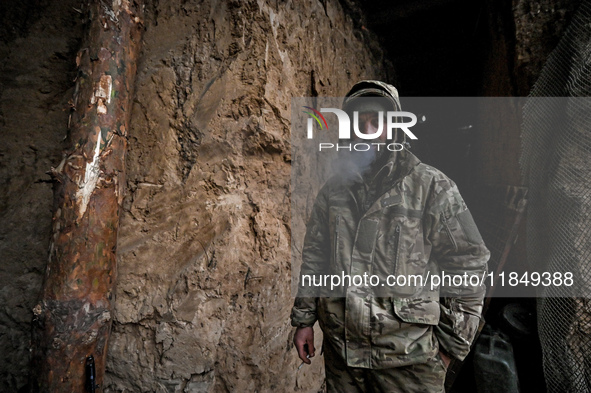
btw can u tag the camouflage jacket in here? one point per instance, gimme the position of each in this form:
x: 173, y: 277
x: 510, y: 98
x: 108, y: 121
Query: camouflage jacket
x: 416, y: 223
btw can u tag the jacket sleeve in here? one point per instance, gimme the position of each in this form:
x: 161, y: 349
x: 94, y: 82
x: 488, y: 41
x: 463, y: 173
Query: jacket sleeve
x: 315, y: 260
x: 459, y: 250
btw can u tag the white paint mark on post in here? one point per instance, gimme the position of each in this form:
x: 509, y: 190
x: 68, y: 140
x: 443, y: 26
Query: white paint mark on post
x: 91, y: 177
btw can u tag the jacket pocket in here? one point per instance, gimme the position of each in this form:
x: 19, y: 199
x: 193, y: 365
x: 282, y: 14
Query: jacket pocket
x: 461, y: 230
x: 449, y: 229
x: 424, y: 311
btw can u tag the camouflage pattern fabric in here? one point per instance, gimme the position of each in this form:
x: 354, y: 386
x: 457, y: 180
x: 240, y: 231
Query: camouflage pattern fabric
x: 406, y: 219
x: 427, y: 377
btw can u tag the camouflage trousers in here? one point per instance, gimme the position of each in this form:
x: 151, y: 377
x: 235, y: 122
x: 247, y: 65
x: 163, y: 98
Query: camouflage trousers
x: 417, y: 378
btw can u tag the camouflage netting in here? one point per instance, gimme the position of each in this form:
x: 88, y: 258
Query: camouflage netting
x: 556, y: 164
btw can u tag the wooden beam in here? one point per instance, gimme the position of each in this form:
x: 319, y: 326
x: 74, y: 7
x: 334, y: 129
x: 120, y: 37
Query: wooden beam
x: 73, y: 317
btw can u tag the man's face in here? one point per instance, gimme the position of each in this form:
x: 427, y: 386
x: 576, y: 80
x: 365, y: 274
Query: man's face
x: 364, y: 114
x: 366, y: 110
x: 369, y: 123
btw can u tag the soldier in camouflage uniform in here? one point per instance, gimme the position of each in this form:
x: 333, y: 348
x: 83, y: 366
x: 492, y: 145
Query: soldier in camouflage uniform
x: 399, y: 217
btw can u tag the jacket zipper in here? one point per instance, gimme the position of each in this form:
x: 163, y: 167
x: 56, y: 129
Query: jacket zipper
x: 396, y: 244
x: 446, y: 225
x: 336, y: 239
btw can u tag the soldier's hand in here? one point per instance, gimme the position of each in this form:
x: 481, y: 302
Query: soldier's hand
x: 304, y: 343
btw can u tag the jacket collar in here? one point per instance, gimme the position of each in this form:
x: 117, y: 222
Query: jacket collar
x: 399, y: 165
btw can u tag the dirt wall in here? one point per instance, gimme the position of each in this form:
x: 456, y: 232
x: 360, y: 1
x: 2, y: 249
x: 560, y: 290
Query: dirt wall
x: 203, y: 294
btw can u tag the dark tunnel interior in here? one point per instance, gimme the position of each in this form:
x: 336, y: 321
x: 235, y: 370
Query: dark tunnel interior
x: 436, y: 46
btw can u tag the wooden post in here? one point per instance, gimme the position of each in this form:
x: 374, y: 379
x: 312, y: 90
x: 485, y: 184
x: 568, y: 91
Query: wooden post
x: 73, y: 317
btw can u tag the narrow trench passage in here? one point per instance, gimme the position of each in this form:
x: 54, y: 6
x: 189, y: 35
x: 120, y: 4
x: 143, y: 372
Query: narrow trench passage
x: 442, y: 49
x: 206, y: 237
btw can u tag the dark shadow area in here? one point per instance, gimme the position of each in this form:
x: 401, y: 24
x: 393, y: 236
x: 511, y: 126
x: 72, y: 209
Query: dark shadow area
x: 436, y: 46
